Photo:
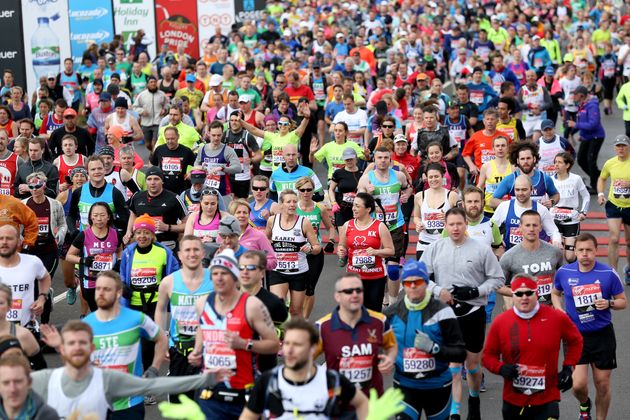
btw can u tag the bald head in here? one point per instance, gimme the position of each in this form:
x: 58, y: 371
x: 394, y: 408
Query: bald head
x: 290, y: 155
x: 9, y: 230
x: 523, y: 190
x: 523, y: 181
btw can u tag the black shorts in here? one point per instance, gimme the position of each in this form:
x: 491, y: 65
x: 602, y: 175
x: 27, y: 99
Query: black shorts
x: 568, y: 230
x: 473, y: 328
x: 240, y: 189
x: 297, y: 282
x: 398, y: 238
x: 460, y: 162
x: 436, y: 403
x: 614, y: 212
x: 600, y: 349
x: 320, y: 114
x: 548, y: 411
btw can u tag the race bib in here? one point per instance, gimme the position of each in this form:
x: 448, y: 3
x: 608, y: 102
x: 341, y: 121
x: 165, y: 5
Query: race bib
x: 361, y: 259
x: 5, y: 191
x: 103, y: 262
x: 391, y: 213
x: 417, y: 361
x: 516, y: 235
x: 531, y: 379
x: 458, y: 136
x: 487, y: 156
x: 584, y: 297
x: 172, y: 164
x: 246, y: 173
x: 15, y: 313
x: 277, y: 157
x: 186, y: 320
x: 213, y: 181
x: 43, y: 225
x: 357, y: 369
x: 217, y: 354
x: 348, y: 197
x: 476, y: 98
x: 287, y: 261
x: 549, y: 170
x: 545, y: 283
x: 621, y: 188
x: 562, y: 215
x: 157, y: 219
x: 142, y: 277
x: 433, y: 222
x: 609, y: 71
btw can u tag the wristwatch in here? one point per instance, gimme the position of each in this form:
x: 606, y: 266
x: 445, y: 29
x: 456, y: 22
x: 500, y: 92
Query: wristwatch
x: 611, y: 303
x: 250, y: 345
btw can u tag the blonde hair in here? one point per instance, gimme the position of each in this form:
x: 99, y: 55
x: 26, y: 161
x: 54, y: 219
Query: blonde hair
x: 239, y: 202
x: 303, y: 181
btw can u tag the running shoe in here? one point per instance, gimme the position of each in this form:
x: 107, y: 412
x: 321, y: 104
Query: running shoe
x: 585, y: 411
x: 627, y: 271
x: 71, y: 296
x: 150, y: 400
x: 474, y: 408
x: 483, y: 388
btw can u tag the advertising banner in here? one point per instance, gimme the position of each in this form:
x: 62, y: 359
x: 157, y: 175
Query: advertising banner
x: 176, y: 23
x: 131, y: 15
x: 91, y: 21
x: 247, y: 10
x: 46, y: 38
x: 213, y: 13
x: 12, y: 47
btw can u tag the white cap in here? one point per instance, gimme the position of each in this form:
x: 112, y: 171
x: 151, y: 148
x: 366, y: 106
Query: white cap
x: 339, y: 35
x: 244, y: 98
x: 215, y: 80
x: 287, y: 32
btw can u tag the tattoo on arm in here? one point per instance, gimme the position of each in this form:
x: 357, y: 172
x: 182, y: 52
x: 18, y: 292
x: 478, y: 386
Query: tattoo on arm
x: 266, y: 316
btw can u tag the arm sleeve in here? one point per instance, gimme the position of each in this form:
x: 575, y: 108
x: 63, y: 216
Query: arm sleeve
x: 491, y: 357
x: 118, y: 384
x: 520, y: 129
x: 504, y: 187
x: 122, y: 212
x: 53, y: 180
x: 592, y: 119
x: 549, y: 185
x: 585, y: 196
x: 493, y: 272
x: 549, y: 226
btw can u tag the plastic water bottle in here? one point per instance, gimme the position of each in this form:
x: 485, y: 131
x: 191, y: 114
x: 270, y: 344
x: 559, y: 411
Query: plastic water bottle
x: 45, y: 49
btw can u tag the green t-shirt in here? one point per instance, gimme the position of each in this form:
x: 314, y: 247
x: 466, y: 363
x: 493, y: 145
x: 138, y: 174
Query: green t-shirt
x: 273, y: 143
x: 332, y: 153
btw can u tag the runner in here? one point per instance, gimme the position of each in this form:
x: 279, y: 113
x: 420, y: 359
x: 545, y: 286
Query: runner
x: 218, y: 159
x: 529, y: 363
x: 9, y: 163
x: 426, y: 349
x: 69, y: 160
x: 591, y: 291
x: 493, y: 172
x: 333, y: 152
x: 204, y: 223
x: 292, y: 238
x: 21, y: 337
x: 465, y: 274
x: 248, y: 152
x: 262, y: 207
x: 233, y: 328
x: 290, y: 171
x: 174, y: 159
x: 250, y: 238
x: 342, y: 187
x: 549, y: 145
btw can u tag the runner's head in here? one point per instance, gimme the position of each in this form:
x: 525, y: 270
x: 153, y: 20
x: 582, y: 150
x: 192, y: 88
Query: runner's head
x: 260, y: 186
x: 76, y: 343
x: 531, y: 225
x: 563, y: 162
x: 435, y: 152
x: 349, y: 292
x: 490, y: 119
x: 622, y: 146
x: 230, y: 232
x: 300, y: 343
x: 524, y: 155
x: 155, y: 181
x: 455, y: 224
x: 191, y: 252
x: 225, y: 272
x: 586, y: 250
x: 524, y: 292
x: 252, y: 264
x: 435, y: 175
x: 523, y: 189
x: 96, y: 169
x: 216, y: 133
x: 305, y: 187
x: 473, y: 202
x: 500, y: 146
x: 239, y: 208
x: 144, y: 230
x: 290, y: 154
x: 100, y: 215
x: 10, y: 241
x: 109, y: 289
x: 15, y: 382
x: 288, y: 201
x: 10, y: 346
x: 37, y: 183
x: 171, y: 137
x: 69, y: 145
x: 6, y: 300
x: 382, y: 158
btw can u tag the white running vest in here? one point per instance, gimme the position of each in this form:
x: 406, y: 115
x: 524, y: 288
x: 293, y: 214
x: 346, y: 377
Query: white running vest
x: 92, y: 400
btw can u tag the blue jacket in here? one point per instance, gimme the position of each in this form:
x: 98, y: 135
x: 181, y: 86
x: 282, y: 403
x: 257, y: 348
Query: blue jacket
x: 507, y: 75
x: 541, y: 54
x: 589, y: 121
x: 126, y: 260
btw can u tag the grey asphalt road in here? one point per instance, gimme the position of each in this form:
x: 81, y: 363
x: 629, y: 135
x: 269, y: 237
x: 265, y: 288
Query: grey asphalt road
x: 490, y: 400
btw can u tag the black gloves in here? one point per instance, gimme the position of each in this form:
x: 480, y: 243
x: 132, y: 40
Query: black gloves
x: 464, y: 292
x: 509, y: 371
x: 126, y: 139
x: 330, y: 247
x: 565, y: 379
x: 87, y: 261
x: 151, y: 372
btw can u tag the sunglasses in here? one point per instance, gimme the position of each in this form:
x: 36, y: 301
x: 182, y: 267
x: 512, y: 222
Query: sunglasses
x: 283, y: 123
x: 387, y: 126
x: 259, y: 188
x: 305, y: 190
x: 415, y: 283
x: 209, y: 191
x: 527, y: 293
x: 249, y: 267
x: 357, y: 290
x: 69, y: 117
x: 35, y: 186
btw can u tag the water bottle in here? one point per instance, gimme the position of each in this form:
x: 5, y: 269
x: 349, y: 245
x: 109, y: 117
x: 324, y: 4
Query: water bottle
x: 45, y: 49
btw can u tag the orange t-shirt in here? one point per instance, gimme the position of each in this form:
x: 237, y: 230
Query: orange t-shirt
x: 479, y: 147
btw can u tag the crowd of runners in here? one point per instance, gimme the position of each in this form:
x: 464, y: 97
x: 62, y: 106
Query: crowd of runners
x: 186, y: 206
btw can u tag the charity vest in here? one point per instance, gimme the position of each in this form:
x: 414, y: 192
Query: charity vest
x: 184, y: 320
x: 368, y: 267
x: 104, y: 253
x: 287, y: 244
x: 86, y: 200
x: 8, y: 171
x: 389, y: 194
x: 147, y: 271
x: 493, y: 179
x: 509, y: 128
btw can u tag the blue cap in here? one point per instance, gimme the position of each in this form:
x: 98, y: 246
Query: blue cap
x: 105, y: 97
x: 549, y: 71
x: 413, y: 268
x: 191, y: 78
x: 546, y: 124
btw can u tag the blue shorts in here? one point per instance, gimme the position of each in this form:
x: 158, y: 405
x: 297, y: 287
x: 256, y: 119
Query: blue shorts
x: 614, y: 212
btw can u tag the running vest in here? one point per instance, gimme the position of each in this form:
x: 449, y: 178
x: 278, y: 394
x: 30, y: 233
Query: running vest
x: 118, y: 346
x: 8, y: 171
x: 104, y: 253
x: 92, y: 400
x: 493, y: 179
x: 216, y: 353
x: 147, y: 272
x: 23, y: 295
x: 457, y: 130
x: 287, y: 244
x: 389, y: 194
x: 125, y: 124
x: 220, y: 180
x: 114, y: 179
x: 368, y: 267
x: 52, y: 124
x: 314, y: 216
x: 65, y: 168
x: 86, y: 200
x: 184, y: 320
x: 210, y: 230
x: 432, y: 220
x: 535, y: 96
x: 539, y: 188
x: 548, y: 152
x: 482, y: 231
x: 259, y: 222
x: 509, y: 128
x: 513, y: 235
x: 244, y: 155
x: 69, y: 81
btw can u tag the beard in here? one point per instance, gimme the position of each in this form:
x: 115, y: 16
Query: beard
x: 473, y: 214
x: 105, y: 304
x: 8, y: 251
x: 78, y: 361
x: 152, y: 90
x: 299, y: 364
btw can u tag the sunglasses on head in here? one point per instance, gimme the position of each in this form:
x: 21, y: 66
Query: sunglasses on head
x: 209, y: 191
x: 351, y: 290
x: 527, y: 293
x: 259, y: 188
x: 304, y: 190
x: 249, y: 267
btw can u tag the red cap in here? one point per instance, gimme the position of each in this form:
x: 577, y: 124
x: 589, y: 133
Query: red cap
x: 69, y: 111
x: 522, y: 282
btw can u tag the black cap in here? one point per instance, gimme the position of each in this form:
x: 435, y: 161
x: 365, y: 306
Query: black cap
x: 98, y: 82
x: 154, y: 170
x: 121, y: 102
x: 581, y: 90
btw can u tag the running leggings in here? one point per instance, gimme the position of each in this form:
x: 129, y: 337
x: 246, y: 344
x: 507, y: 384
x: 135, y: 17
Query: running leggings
x: 373, y: 292
x: 315, y: 267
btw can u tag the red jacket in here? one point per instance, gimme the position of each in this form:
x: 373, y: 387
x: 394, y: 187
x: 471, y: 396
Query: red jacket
x: 535, y: 343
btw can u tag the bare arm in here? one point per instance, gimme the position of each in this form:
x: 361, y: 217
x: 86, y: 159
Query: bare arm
x: 316, y: 247
x: 255, y: 131
x: 326, y: 220
x: 161, y: 349
x: 190, y: 222
x: 556, y: 299
x: 260, y: 319
x: 137, y: 131
x: 164, y: 294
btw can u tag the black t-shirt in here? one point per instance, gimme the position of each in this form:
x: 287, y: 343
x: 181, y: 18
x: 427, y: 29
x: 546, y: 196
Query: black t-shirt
x: 173, y: 163
x: 279, y: 314
x: 257, y: 398
x: 243, y: 143
x: 45, y: 238
x: 347, y: 182
x: 424, y: 137
x: 166, y: 206
x: 86, y: 143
